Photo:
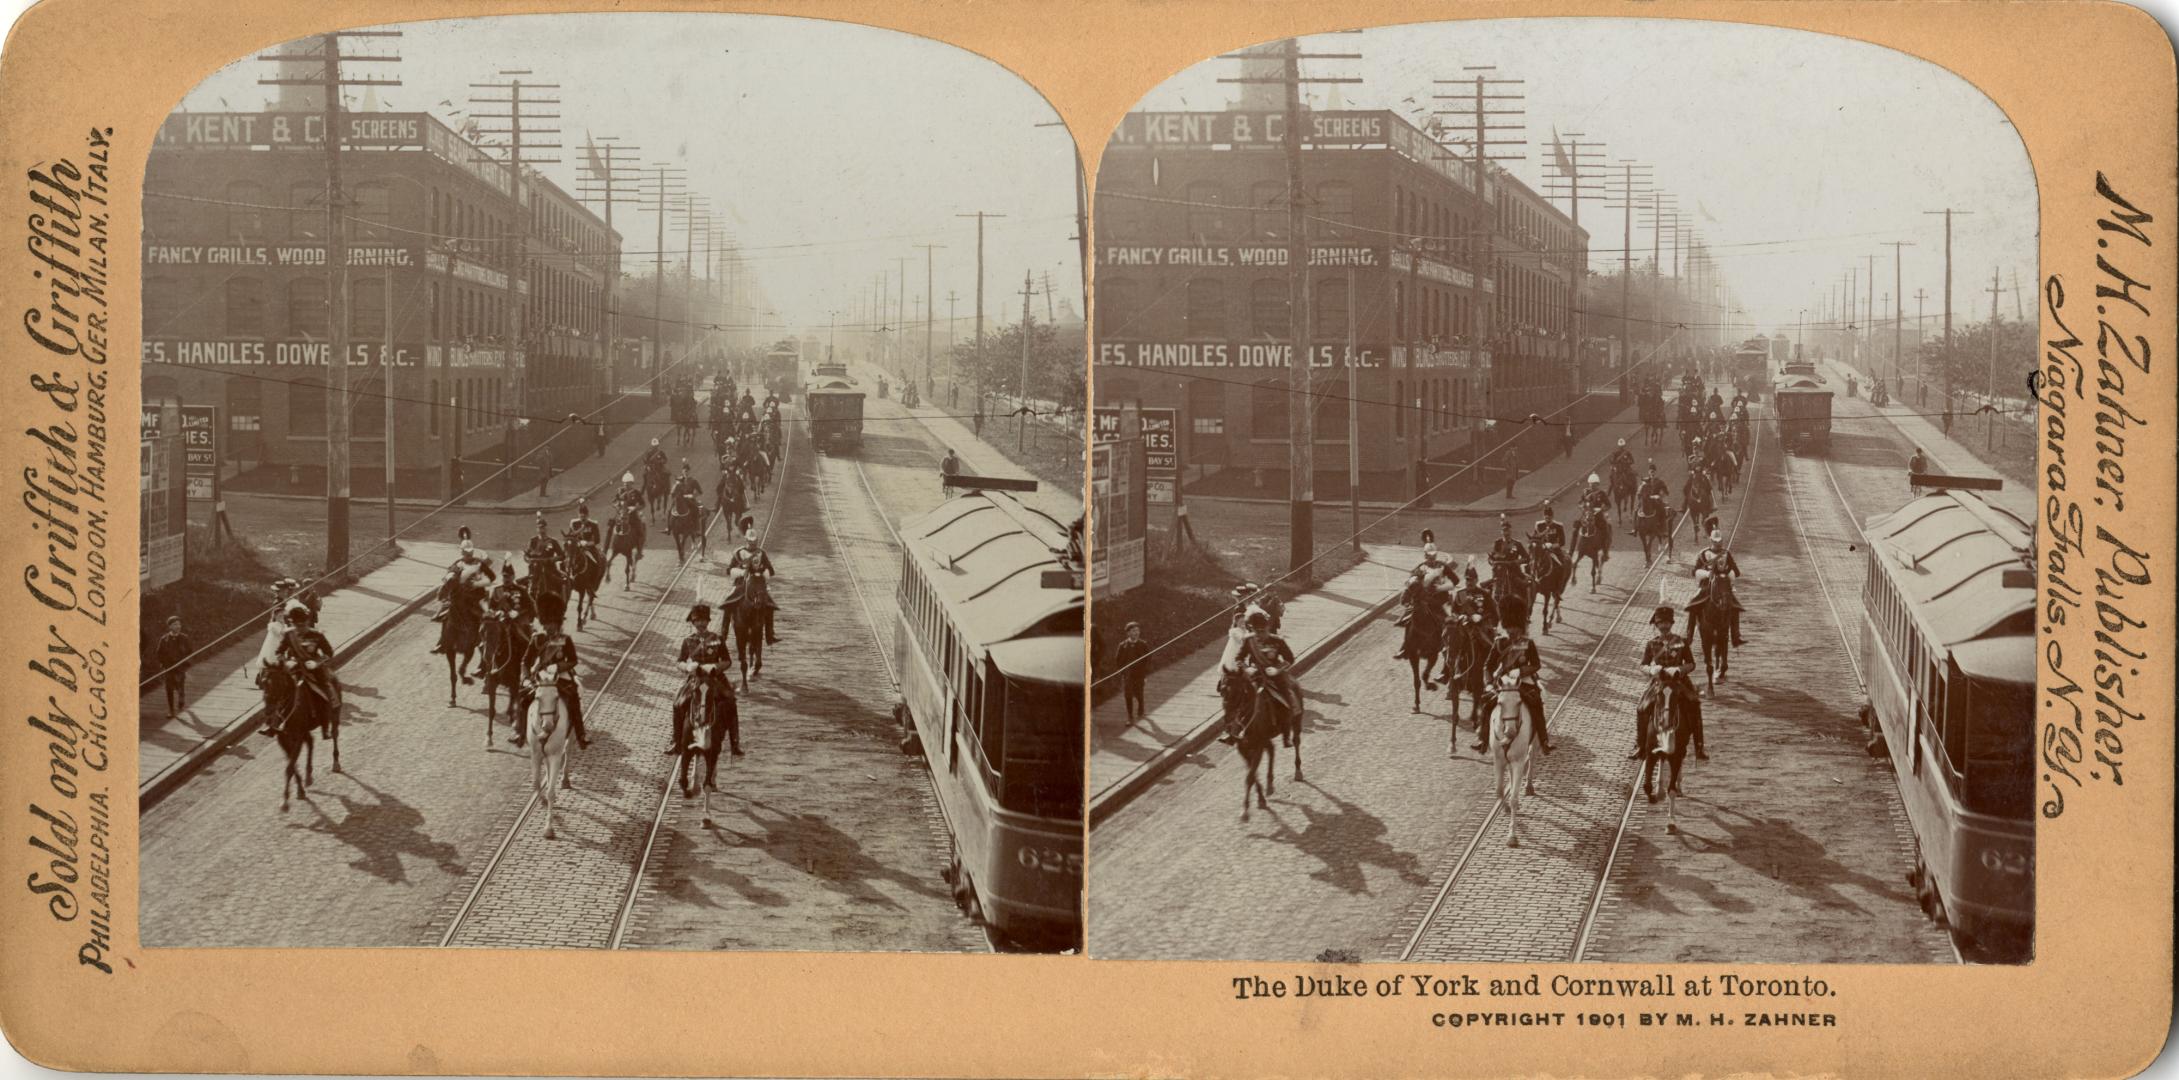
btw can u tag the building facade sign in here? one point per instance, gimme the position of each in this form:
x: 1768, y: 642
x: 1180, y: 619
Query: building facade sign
x: 1265, y: 129
x: 200, y: 448
x: 461, y: 268
x: 455, y: 150
x: 1161, y: 453
x: 1237, y: 354
x: 1272, y: 255
x: 464, y: 356
x: 273, y: 353
x: 1442, y: 273
x: 290, y: 130
x: 271, y: 255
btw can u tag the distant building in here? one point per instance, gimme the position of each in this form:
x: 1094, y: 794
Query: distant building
x: 236, y: 288
x: 1463, y: 290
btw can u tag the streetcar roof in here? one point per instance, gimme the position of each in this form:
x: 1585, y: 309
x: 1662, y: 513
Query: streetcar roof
x: 1949, y: 552
x: 985, y: 554
x: 1052, y: 658
x: 2010, y: 658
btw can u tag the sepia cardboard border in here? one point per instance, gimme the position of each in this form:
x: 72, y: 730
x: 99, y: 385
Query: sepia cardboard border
x: 2089, y: 85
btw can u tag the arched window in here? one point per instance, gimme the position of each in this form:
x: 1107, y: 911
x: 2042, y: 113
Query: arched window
x: 1267, y: 410
x: 1206, y: 211
x: 306, y: 213
x: 306, y: 406
x: 1335, y: 209
x: 245, y: 307
x: 367, y: 308
x: 1117, y: 306
x: 308, y: 316
x: 1331, y: 309
x: 1206, y: 308
x: 245, y: 219
x: 374, y: 212
x: 1268, y: 199
x: 1270, y: 304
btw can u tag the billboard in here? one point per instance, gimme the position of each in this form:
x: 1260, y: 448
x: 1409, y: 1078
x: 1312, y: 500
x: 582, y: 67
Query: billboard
x: 161, y: 503
x: 200, y: 449
x: 1120, y: 525
x: 1161, y: 454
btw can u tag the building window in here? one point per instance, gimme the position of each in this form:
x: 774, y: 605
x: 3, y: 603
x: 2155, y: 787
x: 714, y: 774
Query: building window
x: 374, y: 212
x: 1399, y: 409
x: 1331, y: 410
x: 1335, y: 208
x: 1331, y: 310
x: 245, y: 307
x: 1267, y: 411
x: 1207, y: 406
x: 367, y: 308
x: 306, y: 216
x: 1206, y: 308
x: 1116, y: 306
x: 308, y: 316
x: 245, y: 219
x: 1270, y: 305
x: 159, y: 306
x: 367, y: 406
x: 435, y: 406
x: 1268, y: 198
x: 306, y: 407
x: 1206, y: 211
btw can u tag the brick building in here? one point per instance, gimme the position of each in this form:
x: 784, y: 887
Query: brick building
x: 1464, y: 292
x: 236, y: 288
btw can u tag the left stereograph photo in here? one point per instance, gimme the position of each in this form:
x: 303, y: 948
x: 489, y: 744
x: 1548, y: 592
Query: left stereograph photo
x: 569, y: 518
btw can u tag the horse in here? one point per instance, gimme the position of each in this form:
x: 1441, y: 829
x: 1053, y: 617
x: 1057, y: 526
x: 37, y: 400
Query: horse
x: 1424, y: 630
x: 1653, y: 525
x: 1274, y: 714
x: 732, y: 499
x: 704, y: 722
x: 624, y: 540
x: 1512, y: 730
x: 655, y: 487
x: 1553, y: 571
x: 1622, y: 490
x: 1591, y: 541
x: 506, y: 649
x: 747, y: 618
x: 1711, y: 622
x: 1724, y: 468
x: 305, y: 708
x: 686, y: 523
x: 585, y: 572
x: 544, y: 719
x: 1467, y: 652
x: 459, y: 628
x: 1510, y: 591
x: 1696, y: 499
x: 545, y: 579
x: 756, y: 471
x: 1667, y: 726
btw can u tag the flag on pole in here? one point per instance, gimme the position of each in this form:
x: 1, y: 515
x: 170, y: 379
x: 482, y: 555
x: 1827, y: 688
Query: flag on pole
x: 1558, y: 154
x: 590, y: 150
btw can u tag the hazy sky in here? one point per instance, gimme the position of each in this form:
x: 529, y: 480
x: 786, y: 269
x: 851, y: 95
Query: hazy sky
x: 828, y: 148
x: 1793, y: 153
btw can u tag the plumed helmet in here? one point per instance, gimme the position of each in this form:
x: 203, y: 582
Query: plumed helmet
x: 627, y: 478
x: 462, y: 532
x: 700, y: 614
x: 1664, y: 615
x: 1257, y: 620
x: 1429, y: 538
x: 1593, y: 481
x: 748, y: 524
x: 551, y: 609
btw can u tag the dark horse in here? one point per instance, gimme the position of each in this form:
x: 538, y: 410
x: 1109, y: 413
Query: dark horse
x: 1424, y: 631
x: 585, y: 572
x: 624, y: 540
x: 459, y: 628
x: 1695, y: 499
x: 703, y: 716
x: 686, y: 523
x: 506, y: 648
x: 1510, y: 591
x: 1273, y: 715
x: 1622, y: 490
x: 1668, y: 719
x: 307, y: 703
x: 1710, y: 621
x: 655, y: 485
x: 1553, y: 570
x: 1467, y: 652
x: 1653, y: 525
x: 1592, y: 541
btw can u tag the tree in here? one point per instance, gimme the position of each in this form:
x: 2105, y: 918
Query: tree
x: 1057, y: 369
x: 1969, y: 365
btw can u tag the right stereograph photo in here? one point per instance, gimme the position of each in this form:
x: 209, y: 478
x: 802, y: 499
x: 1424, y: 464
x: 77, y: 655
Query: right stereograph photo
x: 1561, y: 494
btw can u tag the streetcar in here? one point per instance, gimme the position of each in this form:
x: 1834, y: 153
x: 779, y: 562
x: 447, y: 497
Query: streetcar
x: 1751, y: 368
x: 835, y: 408
x: 1948, y: 651
x: 782, y: 370
x: 989, y: 642
x: 1781, y: 350
x: 1804, y: 412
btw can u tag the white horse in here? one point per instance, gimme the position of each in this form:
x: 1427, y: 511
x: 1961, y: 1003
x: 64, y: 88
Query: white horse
x: 546, y: 722
x: 1511, y: 732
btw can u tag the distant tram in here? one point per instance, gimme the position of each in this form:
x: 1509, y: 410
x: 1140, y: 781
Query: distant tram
x: 1751, y: 368
x: 836, y: 413
x: 1948, y: 649
x: 989, y: 641
x: 1804, y: 410
x: 782, y: 370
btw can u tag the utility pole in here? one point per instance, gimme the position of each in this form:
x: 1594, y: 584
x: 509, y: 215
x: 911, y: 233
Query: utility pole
x: 518, y: 336
x: 660, y: 207
x: 1898, y: 290
x: 1948, y: 378
x: 692, y: 217
x: 1021, y: 413
x: 1354, y: 420
x: 329, y: 82
x: 1568, y: 163
x: 1627, y: 195
x: 929, y: 296
x: 604, y: 169
x: 978, y: 346
x: 1989, y: 388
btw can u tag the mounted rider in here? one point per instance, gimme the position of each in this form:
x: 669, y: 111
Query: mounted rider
x: 465, y: 566
x: 1622, y: 460
x: 308, y: 656
x: 655, y: 459
x: 1595, y: 500
x: 289, y: 597
x: 1652, y: 486
x: 1473, y: 603
x: 1427, y: 591
x: 510, y: 600
x: 1249, y: 596
x: 1509, y: 559
x: 552, y: 656
x: 543, y: 555
x: 751, y: 558
x: 687, y: 495
x: 583, y: 535
x: 1267, y: 661
x: 1669, y: 663
x: 704, y: 658
x: 1514, y: 655
x: 1715, y: 570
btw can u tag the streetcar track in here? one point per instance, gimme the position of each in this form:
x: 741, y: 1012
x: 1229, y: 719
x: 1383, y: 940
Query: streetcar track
x: 665, y: 795
x: 1437, y: 902
x: 514, y: 831
x: 877, y: 635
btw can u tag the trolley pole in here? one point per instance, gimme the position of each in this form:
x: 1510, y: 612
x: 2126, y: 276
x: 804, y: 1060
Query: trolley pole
x: 1354, y: 423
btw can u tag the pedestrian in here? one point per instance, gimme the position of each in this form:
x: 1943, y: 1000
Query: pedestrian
x: 598, y: 435
x: 1128, y: 657
x: 544, y: 468
x: 172, y: 657
x: 1513, y: 467
x: 1566, y: 439
x: 948, y: 468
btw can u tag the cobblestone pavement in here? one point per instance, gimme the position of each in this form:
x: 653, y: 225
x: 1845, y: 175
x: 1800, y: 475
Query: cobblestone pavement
x: 1349, y: 859
x: 1793, y: 844
x: 825, y: 836
x: 371, y: 857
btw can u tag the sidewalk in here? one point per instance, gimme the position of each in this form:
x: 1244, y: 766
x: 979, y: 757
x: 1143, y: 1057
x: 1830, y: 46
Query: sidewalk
x: 1125, y: 757
x: 1947, y: 455
x: 219, y: 712
x: 584, y: 479
x: 977, y: 456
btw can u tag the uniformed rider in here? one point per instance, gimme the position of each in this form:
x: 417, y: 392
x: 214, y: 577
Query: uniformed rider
x: 685, y: 486
x: 752, y: 559
x: 1513, y: 653
x: 583, y: 529
x: 1652, y: 485
x: 1595, y: 499
x: 1715, y: 570
x: 705, y: 659
x: 543, y: 554
x: 1508, y: 557
x: 655, y: 458
x: 1472, y: 601
x: 1622, y: 458
x: 552, y: 656
x: 308, y: 655
x: 1669, y: 663
x: 1268, y: 661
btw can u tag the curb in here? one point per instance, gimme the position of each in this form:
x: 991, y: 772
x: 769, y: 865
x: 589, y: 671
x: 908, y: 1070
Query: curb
x: 1123, y: 791
x: 565, y: 504
x: 149, y: 792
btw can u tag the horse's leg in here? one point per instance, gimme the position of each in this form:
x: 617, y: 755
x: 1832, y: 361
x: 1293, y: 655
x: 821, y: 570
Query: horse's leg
x: 1414, y: 671
x: 453, y: 678
x: 491, y: 709
x: 333, y: 729
x: 1296, y: 722
x: 1271, y: 767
